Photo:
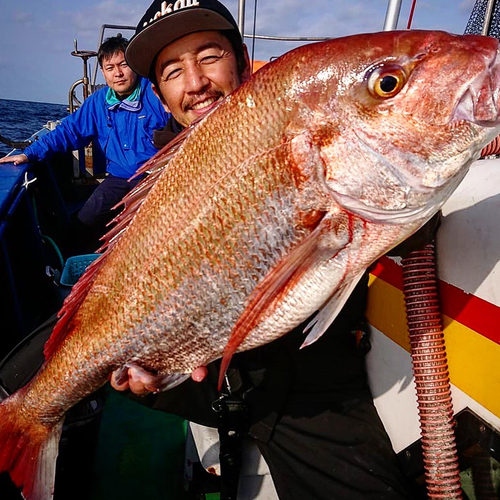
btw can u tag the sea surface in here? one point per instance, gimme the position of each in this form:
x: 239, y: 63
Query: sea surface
x: 19, y: 120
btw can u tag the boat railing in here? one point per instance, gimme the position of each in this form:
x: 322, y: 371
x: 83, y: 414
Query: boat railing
x: 288, y: 38
x: 85, y: 55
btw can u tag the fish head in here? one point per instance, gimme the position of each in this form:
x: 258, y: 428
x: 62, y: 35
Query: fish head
x: 400, y: 118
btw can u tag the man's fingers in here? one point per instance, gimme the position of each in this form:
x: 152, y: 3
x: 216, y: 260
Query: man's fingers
x: 15, y: 159
x: 129, y: 378
x: 141, y: 382
x: 199, y: 374
x: 119, y: 380
x: 138, y: 387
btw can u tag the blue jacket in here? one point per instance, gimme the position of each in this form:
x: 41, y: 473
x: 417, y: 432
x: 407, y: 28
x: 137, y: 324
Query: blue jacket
x: 125, y: 137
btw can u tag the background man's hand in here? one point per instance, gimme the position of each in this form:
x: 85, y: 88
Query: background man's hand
x: 15, y: 159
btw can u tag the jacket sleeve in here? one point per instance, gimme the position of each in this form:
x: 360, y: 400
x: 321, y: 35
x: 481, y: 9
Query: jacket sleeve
x: 74, y: 132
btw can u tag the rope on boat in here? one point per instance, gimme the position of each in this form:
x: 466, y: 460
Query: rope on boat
x: 15, y: 144
x: 430, y: 367
x: 410, y: 17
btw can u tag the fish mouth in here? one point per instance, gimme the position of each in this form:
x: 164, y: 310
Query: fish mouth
x: 479, y: 103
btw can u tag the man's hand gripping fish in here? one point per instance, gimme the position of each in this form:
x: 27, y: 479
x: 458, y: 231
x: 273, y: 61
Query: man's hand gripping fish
x: 270, y: 209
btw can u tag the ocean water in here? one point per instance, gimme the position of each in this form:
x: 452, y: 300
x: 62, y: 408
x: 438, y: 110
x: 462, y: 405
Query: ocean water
x: 19, y: 120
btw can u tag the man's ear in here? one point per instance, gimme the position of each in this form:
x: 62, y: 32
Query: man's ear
x: 158, y: 94
x: 247, y: 72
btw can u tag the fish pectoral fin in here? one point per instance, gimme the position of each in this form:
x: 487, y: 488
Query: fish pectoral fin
x: 269, y: 293
x: 330, y: 310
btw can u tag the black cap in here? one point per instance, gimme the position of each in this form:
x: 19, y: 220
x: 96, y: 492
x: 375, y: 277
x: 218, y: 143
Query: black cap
x: 165, y: 22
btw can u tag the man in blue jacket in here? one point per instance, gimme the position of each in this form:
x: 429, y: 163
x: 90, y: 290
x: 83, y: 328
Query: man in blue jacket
x: 121, y: 118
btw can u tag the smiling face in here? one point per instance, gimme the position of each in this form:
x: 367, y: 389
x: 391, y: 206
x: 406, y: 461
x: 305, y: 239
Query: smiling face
x: 195, y: 72
x: 118, y: 75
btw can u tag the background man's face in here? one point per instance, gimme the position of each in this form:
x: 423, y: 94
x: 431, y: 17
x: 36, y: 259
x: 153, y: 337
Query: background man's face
x: 194, y: 73
x: 118, y: 74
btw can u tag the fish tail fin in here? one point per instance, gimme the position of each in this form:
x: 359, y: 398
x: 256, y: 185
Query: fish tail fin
x: 28, y: 449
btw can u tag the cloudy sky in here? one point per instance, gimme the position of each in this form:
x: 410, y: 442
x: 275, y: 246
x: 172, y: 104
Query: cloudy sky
x: 37, y: 36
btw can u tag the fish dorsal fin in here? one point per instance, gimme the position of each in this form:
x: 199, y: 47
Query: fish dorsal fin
x: 268, y: 294
x: 160, y: 159
x: 131, y: 204
x: 70, y: 306
x: 327, y: 314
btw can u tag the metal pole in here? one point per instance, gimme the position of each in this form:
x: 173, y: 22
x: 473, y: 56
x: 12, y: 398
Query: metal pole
x: 487, y: 17
x: 392, y: 15
x: 241, y: 16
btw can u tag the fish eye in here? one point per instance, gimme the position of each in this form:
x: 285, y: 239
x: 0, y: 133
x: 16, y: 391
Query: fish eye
x: 386, y: 81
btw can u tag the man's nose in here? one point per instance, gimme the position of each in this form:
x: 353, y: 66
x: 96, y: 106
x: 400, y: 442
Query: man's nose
x: 196, y: 79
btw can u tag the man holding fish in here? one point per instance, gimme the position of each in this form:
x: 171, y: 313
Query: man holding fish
x: 312, y: 414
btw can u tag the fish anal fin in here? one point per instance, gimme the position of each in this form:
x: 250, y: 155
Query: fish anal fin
x: 269, y: 293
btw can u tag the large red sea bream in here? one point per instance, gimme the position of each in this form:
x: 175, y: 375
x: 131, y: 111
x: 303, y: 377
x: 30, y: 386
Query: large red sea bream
x: 270, y: 209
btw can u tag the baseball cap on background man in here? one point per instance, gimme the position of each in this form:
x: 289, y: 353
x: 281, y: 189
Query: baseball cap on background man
x: 165, y: 22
